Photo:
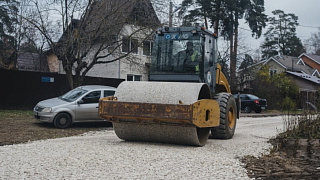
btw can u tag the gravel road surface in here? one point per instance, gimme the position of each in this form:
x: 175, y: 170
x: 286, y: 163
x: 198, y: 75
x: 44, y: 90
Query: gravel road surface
x: 101, y: 155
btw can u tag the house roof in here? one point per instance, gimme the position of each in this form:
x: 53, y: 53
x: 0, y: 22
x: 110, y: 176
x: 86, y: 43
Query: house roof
x: 112, y: 15
x: 105, y: 19
x: 138, y: 12
x: 305, y: 76
x: 290, y: 63
x: 31, y: 62
x: 316, y: 73
x: 275, y: 60
x: 287, y: 62
x: 255, y: 64
x: 314, y: 58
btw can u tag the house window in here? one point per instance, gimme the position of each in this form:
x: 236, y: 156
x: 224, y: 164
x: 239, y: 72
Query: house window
x: 147, y: 48
x: 273, y: 72
x: 112, y: 42
x: 133, y: 77
x: 129, y: 45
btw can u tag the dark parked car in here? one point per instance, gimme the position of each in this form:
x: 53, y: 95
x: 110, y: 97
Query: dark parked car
x: 251, y: 102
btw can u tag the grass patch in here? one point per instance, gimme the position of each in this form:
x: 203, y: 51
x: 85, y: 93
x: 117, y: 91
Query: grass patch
x: 21, y: 126
x: 305, y: 126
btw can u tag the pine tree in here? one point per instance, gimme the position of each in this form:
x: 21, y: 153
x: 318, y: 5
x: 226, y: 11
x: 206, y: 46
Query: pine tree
x: 281, y: 36
x: 8, y: 10
x: 225, y: 15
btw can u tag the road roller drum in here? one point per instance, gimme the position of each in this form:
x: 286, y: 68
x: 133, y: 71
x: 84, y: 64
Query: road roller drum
x: 162, y: 112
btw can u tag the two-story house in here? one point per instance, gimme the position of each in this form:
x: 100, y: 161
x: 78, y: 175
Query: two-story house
x: 125, y: 22
x: 279, y: 64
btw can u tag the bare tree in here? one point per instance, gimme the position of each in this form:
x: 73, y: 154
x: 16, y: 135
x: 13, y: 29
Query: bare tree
x: 162, y: 9
x: 313, y: 43
x: 85, y: 33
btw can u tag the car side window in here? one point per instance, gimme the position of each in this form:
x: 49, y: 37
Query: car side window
x: 244, y: 97
x: 92, y: 97
x: 107, y: 93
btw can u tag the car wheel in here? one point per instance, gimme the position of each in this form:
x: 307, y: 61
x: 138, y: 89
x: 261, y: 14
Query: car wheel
x: 228, y: 117
x: 62, y: 121
x: 258, y: 110
x: 247, y: 109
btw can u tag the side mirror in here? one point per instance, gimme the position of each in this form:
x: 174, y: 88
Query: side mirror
x: 80, y: 102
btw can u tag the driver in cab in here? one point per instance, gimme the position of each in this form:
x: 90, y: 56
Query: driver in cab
x: 188, y: 59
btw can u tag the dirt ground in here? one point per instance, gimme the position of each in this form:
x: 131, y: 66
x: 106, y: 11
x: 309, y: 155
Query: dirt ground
x: 300, y: 159
x: 20, y: 127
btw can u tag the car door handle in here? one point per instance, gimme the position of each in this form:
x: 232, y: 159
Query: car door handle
x: 97, y: 107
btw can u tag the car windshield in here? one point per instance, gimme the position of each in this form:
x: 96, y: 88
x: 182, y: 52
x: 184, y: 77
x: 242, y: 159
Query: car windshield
x: 73, y: 94
x: 252, y: 96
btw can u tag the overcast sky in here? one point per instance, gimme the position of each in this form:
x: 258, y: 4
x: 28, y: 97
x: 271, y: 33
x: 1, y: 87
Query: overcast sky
x: 308, y: 12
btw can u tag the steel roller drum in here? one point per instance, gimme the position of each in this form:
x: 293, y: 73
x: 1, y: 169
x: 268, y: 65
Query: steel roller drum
x: 161, y: 93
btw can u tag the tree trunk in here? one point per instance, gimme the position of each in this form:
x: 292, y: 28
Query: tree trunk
x: 233, y: 52
x: 232, y: 55
x: 216, y: 22
x: 70, y: 78
x: 233, y: 68
x: 231, y: 61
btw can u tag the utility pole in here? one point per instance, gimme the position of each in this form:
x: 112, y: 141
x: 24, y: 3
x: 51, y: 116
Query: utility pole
x: 170, y: 13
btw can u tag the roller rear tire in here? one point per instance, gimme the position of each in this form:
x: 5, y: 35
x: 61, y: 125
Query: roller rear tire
x: 228, y: 116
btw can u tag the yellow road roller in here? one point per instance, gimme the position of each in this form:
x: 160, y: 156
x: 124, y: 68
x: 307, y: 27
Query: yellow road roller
x: 187, y: 99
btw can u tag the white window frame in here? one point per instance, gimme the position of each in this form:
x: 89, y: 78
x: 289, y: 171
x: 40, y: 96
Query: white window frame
x: 150, y: 47
x: 134, y: 77
x: 130, y: 44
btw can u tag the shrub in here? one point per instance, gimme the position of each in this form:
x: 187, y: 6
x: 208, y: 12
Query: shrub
x: 288, y: 105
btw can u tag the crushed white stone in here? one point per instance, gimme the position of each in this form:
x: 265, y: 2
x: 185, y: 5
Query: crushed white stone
x: 101, y: 155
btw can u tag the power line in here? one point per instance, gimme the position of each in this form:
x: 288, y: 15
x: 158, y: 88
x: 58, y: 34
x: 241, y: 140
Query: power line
x: 244, y: 29
x: 297, y: 25
x: 309, y: 26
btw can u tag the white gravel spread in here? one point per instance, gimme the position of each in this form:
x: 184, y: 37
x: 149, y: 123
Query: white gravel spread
x: 101, y: 155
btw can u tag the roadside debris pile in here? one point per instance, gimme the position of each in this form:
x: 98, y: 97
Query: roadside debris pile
x: 296, y: 152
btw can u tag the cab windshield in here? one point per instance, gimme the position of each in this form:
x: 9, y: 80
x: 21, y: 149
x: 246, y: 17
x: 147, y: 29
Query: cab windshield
x: 176, y: 54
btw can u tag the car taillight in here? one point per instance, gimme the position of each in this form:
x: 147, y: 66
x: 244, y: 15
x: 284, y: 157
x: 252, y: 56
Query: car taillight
x: 256, y: 101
